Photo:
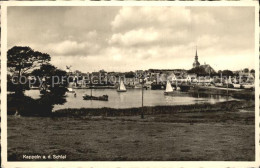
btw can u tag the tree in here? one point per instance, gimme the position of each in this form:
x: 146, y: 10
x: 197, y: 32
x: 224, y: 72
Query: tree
x: 25, y: 61
x: 130, y: 74
x: 252, y: 71
x: 21, y: 60
x: 55, y: 88
x: 200, y: 71
x: 227, y: 73
x: 246, y: 70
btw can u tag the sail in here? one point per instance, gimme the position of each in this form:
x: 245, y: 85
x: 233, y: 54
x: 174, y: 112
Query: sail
x: 122, y: 86
x: 71, y: 84
x: 235, y: 80
x: 168, y: 87
x: 229, y: 79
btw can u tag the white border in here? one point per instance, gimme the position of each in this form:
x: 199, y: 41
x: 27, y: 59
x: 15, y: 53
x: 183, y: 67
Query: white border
x: 3, y: 82
x: 118, y: 164
x: 257, y: 86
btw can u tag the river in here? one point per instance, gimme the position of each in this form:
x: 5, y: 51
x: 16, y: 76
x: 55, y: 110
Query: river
x: 132, y: 98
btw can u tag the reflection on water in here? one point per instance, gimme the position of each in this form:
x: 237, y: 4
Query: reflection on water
x: 132, y: 98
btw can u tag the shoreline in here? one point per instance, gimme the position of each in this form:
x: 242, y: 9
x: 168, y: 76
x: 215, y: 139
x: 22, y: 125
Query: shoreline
x: 232, y: 105
x: 242, y: 98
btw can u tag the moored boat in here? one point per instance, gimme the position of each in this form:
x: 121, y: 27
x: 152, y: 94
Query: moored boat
x: 121, y: 87
x: 158, y: 86
x: 70, y: 90
x: 184, y: 88
x: 248, y: 86
x: 34, y: 88
x: 90, y: 97
x: 176, y: 86
x: 219, y: 84
x: 236, y: 85
x: 168, y: 89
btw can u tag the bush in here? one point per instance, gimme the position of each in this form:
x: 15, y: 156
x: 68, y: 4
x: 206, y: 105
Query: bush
x: 27, y: 106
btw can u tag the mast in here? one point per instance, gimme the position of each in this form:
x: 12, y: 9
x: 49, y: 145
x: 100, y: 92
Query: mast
x: 90, y: 88
x: 227, y: 86
x: 119, y: 84
x: 176, y: 83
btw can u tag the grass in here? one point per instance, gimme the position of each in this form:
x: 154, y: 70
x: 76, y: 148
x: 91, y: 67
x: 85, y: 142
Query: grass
x: 191, y: 135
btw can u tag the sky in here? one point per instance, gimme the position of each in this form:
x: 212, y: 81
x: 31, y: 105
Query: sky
x: 136, y: 38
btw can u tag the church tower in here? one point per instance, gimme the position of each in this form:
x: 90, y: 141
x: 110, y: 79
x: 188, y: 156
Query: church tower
x: 196, y: 62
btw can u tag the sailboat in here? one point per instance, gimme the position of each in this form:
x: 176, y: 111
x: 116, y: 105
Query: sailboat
x: 176, y: 85
x: 91, y: 97
x: 236, y: 84
x: 168, y: 88
x: 70, y: 90
x: 121, y: 87
x: 228, y: 82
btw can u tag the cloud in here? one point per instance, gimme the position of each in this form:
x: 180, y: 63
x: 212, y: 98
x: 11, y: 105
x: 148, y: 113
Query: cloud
x: 66, y: 48
x: 72, y: 48
x: 134, y: 37
x: 129, y: 38
x: 136, y: 17
x: 171, y: 33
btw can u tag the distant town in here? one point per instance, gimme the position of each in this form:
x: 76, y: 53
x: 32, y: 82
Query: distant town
x: 199, y: 74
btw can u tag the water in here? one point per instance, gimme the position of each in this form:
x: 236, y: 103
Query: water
x: 132, y: 98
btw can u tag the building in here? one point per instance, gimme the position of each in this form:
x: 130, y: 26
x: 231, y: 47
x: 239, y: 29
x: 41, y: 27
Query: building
x: 208, y: 69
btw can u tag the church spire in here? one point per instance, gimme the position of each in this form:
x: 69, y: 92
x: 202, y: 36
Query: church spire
x: 196, y: 62
x: 196, y: 55
x: 196, y: 52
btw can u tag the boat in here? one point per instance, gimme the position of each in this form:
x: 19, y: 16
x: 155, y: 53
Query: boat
x: 121, y: 87
x: 90, y: 97
x: 184, y: 88
x: 248, y: 86
x: 34, y: 88
x: 168, y: 89
x: 157, y: 86
x: 176, y: 86
x: 137, y: 87
x: 130, y: 86
x: 237, y: 85
x: 70, y: 90
x: 219, y: 84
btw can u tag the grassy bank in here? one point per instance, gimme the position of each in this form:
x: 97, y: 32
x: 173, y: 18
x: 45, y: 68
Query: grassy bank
x: 207, y: 136
x: 154, y: 110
